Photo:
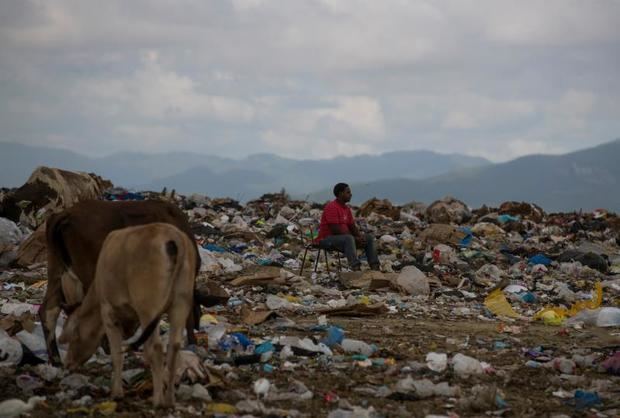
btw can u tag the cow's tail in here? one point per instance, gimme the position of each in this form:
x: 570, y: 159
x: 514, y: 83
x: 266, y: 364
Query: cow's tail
x: 175, y: 251
x: 55, y: 239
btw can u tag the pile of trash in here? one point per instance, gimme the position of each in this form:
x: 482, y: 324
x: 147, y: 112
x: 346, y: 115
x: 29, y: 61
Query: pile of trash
x: 499, y: 311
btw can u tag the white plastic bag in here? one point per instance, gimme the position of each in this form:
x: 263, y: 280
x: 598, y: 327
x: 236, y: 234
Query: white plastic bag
x: 10, y: 350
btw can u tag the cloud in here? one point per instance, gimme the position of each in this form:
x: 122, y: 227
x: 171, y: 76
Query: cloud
x: 331, y: 126
x: 154, y: 93
x: 361, y: 115
x: 571, y: 110
x: 471, y: 111
x: 311, y: 77
x: 555, y: 22
x: 307, y: 147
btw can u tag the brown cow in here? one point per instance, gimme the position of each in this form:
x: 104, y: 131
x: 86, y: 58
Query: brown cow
x: 74, y: 239
x: 142, y: 272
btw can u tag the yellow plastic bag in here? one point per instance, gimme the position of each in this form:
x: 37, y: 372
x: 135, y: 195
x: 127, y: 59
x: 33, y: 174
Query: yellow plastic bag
x: 552, y: 316
x: 365, y: 300
x: 497, y: 303
x: 221, y: 408
x: 103, y: 408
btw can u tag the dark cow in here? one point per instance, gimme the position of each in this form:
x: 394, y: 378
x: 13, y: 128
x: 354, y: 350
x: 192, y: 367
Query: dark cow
x: 74, y: 239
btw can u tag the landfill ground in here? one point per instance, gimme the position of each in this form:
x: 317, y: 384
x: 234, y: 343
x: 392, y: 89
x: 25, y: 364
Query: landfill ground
x: 506, y: 311
x: 526, y: 390
x: 403, y: 339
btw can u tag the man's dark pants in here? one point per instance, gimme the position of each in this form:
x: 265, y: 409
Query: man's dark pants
x: 346, y: 244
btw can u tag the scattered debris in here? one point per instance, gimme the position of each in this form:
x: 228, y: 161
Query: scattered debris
x: 475, y: 312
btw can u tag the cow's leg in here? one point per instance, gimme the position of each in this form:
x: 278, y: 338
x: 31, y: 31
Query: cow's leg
x: 153, y: 352
x: 177, y: 315
x: 193, y: 319
x: 115, y: 337
x: 49, y: 311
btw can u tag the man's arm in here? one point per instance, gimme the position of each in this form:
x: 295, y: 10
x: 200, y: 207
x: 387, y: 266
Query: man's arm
x: 359, y: 238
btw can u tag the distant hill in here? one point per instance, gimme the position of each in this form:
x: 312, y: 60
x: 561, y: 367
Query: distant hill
x: 18, y: 161
x: 586, y: 179
x: 215, y: 176
x: 126, y: 169
x: 272, y: 173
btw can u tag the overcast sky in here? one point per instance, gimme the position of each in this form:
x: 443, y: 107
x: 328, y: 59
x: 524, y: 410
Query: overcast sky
x: 310, y: 79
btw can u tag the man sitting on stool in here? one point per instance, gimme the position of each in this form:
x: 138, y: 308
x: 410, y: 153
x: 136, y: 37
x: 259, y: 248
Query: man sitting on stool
x: 339, y: 232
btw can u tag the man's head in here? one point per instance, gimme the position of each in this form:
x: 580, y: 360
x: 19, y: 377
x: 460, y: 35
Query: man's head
x: 342, y: 191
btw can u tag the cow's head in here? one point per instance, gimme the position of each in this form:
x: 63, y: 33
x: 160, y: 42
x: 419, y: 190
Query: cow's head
x: 83, y: 337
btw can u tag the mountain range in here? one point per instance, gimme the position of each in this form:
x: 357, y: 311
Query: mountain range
x: 241, y: 179
x: 585, y: 179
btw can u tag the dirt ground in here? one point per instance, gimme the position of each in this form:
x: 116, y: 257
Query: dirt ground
x: 527, y: 391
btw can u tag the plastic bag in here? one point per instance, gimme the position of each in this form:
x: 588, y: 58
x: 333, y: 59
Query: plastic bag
x: 10, y: 350
x: 556, y: 315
